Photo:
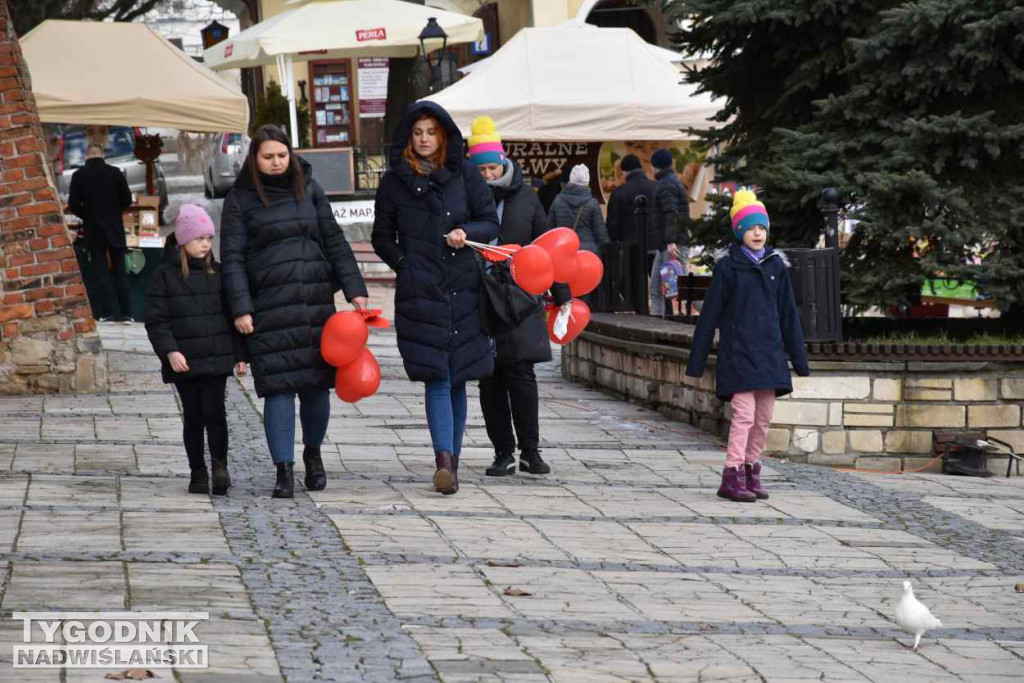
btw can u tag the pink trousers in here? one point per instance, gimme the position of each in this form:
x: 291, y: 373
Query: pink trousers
x: 751, y: 416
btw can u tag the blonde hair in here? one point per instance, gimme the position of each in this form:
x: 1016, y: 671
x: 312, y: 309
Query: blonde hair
x: 207, y: 262
x: 438, y: 159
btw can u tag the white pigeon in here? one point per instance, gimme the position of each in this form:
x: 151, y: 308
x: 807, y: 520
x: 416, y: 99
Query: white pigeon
x: 913, y: 616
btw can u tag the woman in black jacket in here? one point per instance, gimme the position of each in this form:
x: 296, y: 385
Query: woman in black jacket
x: 284, y: 258
x: 429, y: 203
x: 509, y: 396
x: 188, y: 326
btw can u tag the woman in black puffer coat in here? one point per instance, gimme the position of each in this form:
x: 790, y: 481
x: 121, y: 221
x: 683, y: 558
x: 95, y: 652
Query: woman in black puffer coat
x: 284, y: 258
x: 188, y: 326
x: 509, y: 396
x: 429, y: 203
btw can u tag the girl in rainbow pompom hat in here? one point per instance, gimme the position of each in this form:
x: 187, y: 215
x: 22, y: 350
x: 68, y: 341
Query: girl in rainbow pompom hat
x: 751, y: 303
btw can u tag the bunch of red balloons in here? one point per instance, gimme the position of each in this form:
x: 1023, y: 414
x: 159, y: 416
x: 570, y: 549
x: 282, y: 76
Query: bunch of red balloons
x: 554, y: 257
x: 343, y: 345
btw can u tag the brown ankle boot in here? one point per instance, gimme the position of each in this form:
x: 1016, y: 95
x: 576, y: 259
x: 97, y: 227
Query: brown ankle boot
x: 445, y: 480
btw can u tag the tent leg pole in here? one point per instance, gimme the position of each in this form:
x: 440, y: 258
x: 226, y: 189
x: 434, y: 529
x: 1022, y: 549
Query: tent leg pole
x: 292, y: 111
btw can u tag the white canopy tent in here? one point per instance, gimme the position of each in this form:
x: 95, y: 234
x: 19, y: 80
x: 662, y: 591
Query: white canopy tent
x: 333, y: 29
x: 576, y: 82
x: 125, y: 74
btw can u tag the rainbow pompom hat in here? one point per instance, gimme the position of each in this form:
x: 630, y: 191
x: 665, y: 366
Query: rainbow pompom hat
x: 746, y: 213
x: 485, y: 144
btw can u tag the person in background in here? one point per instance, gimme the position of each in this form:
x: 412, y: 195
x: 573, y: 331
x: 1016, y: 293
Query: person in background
x: 751, y: 303
x: 669, y: 215
x: 429, y: 203
x: 284, y: 258
x: 553, y: 182
x: 98, y: 195
x: 188, y: 325
x: 576, y: 208
x: 622, y: 202
x: 509, y: 396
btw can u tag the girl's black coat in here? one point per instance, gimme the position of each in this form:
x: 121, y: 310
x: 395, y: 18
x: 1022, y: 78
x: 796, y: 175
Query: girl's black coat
x: 190, y: 317
x: 436, y: 301
x: 282, y: 265
x: 753, y: 306
x: 522, y: 221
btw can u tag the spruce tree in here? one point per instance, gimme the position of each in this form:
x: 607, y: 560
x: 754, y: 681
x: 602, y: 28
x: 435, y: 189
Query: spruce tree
x: 914, y: 111
x: 770, y: 60
x: 929, y: 136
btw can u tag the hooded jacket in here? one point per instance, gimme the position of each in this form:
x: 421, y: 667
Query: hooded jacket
x: 671, y: 211
x: 190, y: 316
x: 282, y: 265
x: 523, y: 221
x: 576, y: 200
x: 622, y: 221
x: 752, y: 305
x: 437, y: 317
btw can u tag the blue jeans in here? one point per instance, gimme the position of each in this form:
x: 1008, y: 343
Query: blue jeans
x: 446, y: 414
x: 279, y: 421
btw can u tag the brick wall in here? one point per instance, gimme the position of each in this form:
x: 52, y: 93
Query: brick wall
x: 48, y: 339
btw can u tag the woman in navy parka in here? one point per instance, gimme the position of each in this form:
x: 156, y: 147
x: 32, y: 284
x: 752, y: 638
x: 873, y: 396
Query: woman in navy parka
x: 428, y: 204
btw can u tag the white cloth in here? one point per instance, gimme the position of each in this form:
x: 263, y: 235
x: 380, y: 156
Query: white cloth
x: 580, y: 175
x: 561, y: 326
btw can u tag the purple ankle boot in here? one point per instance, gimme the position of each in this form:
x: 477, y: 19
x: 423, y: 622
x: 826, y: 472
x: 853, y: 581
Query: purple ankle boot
x: 754, y: 480
x: 734, y: 486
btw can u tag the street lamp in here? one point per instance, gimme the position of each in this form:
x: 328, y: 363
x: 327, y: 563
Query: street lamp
x: 433, y: 38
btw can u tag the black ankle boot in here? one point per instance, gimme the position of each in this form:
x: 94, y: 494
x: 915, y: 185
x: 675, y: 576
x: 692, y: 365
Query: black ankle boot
x: 504, y: 465
x: 531, y: 463
x: 200, y: 482
x: 316, y: 478
x: 285, y: 485
x: 221, y: 478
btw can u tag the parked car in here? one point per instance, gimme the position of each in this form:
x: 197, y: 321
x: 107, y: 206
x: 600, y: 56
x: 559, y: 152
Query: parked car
x: 225, y: 162
x: 70, y: 145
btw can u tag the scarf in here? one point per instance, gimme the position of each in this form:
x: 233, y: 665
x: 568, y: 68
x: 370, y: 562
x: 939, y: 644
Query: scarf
x: 754, y: 256
x: 506, y: 178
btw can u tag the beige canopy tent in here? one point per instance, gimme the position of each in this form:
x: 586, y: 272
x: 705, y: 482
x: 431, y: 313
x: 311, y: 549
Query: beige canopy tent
x: 125, y: 74
x: 335, y: 29
x: 578, y: 82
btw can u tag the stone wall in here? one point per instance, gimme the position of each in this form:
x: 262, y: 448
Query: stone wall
x: 48, y: 339
x: 874, y: 415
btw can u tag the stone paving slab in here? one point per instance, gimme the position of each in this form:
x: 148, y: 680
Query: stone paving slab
x: 622, y: 565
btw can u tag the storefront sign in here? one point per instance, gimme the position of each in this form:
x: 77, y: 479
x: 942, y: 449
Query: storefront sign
x: 373, y: 87
x: 365, y: 34
x: 540, y: 159
x: 347, y: 213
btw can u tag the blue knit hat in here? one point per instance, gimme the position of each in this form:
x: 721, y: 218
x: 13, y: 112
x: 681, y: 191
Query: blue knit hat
x: 662, y: 159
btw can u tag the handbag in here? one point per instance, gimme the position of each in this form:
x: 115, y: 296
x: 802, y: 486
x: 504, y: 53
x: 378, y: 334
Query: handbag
x: 503, y: 304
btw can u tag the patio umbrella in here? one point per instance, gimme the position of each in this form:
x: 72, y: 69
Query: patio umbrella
x: 333, y: 29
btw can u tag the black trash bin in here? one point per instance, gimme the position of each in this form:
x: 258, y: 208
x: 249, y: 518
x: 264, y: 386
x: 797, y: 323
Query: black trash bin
x: 815, y: 277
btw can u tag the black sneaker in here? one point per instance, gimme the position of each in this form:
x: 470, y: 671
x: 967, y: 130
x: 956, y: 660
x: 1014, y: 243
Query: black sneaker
x: 200, y: 481
x: 504, y: 465
x: 531, y: 463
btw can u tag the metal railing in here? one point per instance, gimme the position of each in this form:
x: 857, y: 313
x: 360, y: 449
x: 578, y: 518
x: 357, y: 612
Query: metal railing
x: 371, y: 161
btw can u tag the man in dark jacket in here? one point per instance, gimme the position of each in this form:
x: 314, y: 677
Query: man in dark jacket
x: 99, y: 195
x: 670, y: 213
x: 622, y: 203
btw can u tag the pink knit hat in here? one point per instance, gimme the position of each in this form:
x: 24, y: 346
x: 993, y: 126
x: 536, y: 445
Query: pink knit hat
x: 192, y: 222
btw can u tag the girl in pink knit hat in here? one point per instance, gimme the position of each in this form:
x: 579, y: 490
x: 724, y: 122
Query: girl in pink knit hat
x: 188, y: 325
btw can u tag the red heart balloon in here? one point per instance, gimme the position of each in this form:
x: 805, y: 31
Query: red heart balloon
x: 359, y: 379
x: 343, y: 337
x: 532, y: 269
x: 579, y: 318
x: 589, y: 271
x: 562, y: 245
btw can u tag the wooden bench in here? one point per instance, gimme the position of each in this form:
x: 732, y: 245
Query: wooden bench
x: 370, y: 265
x: 692, y: 288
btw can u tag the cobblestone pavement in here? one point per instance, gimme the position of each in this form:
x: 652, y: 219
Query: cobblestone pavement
x: 621, y: 565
